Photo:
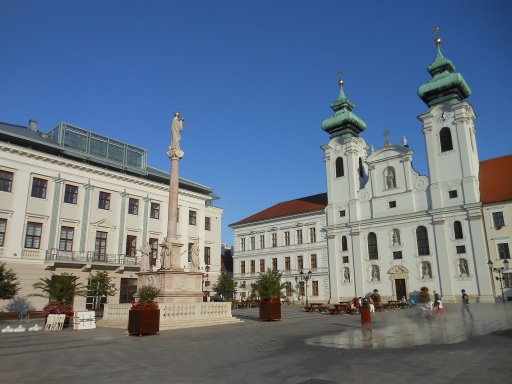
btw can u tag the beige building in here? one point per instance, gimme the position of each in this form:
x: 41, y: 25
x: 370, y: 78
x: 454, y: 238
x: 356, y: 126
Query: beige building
x: 75, y: 201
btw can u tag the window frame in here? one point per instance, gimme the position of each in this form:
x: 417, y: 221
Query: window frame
x: 339, y: 168
x: 66, y: 239
x: 192, y: 217
x: 373, y: 246
x: 445, y: 140
x: 457, y: 230
x: 155, y: 211
x: 3, y: 231
x: 505, y: 251
x: 71, y: 194
x: 35, y: 238
x: 39, y: 188
x: 133, y: 206
x: 6, y: 180
x: 207, y: 223
x: 313, y: 261
x: 104, y: 199
x: 422, y: 241
x: 496, y: 221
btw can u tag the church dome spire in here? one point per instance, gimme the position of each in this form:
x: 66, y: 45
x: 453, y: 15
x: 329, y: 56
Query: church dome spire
x: 446, y: 85
x: 343, y: 123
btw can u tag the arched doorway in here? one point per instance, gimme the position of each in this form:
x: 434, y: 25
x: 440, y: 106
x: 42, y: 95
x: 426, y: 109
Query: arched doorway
x: 399, y: 276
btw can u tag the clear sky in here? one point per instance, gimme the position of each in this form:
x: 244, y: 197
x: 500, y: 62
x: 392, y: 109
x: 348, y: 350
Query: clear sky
x: 254, y: 80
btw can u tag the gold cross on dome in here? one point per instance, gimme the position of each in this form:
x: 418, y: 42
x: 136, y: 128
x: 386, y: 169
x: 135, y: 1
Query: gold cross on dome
x: 340, y: 73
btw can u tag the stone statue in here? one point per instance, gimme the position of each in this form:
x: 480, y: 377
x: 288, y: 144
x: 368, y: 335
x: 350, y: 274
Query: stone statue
x: 396, y: 237
x: 426, y: 270
x: 463, y: 267
x: 404, y: 141
x: 195, y: 255
x: 375, y: 273
x: 372, y: 148
x: 346, y: 275
x: 145, y: 260
x: 176, y: 128
x: 390, y: 178
x: 165, y: 255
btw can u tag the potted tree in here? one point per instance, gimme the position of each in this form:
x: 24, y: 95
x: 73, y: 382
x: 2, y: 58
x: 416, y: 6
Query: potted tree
x: 60, y: 290
x: 269, y: 289
x: 100, y: 287
x: 144, y: 315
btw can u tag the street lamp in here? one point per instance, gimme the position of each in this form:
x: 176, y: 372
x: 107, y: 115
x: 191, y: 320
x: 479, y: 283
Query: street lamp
x: 500, y: 278
x: 304, y: 277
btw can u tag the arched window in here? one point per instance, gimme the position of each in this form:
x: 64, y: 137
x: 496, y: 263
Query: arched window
x: 344, y: 246
x: 339, y: 167
x: 361, y: 169
x: 422, y: 240
x: 389, y: 177
x: 373, y: 254
x: 446, y: 139
x: 457, y: 229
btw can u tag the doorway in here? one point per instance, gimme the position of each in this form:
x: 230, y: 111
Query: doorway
x: 400, y: 289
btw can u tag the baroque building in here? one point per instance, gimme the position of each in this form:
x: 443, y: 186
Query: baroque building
x: 386, y: 226
x: 75, y: 201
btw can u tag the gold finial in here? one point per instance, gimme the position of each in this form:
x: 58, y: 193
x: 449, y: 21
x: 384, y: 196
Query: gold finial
x: 437, y: 41
x: 340, y: 81
x: 176, y: 113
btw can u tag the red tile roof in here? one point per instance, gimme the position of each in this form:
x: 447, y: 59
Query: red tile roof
x: 292, y: 207
x: 496, y: 179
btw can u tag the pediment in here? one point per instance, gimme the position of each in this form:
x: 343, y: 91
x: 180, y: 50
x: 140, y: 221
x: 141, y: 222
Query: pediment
x: 397, y: 269
x: 103, y: 223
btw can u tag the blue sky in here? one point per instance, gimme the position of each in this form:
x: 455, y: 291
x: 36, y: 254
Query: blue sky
x: 254, y: 80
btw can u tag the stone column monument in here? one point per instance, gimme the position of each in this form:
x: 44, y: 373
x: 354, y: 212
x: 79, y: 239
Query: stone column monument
x: 175, y: 284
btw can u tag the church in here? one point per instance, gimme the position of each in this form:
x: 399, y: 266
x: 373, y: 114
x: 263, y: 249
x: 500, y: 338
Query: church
x: 385, y: 226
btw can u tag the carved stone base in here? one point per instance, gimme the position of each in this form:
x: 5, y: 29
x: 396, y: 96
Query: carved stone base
x: 176, y: 286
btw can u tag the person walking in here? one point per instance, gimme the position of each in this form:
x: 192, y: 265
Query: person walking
x: 465, y: 304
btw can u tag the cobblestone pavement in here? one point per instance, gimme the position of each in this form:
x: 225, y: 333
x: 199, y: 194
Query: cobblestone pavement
x: 301, y: 348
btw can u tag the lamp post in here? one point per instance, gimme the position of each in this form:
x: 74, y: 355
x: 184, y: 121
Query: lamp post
x: 500, y: 278
x: 304, y: 277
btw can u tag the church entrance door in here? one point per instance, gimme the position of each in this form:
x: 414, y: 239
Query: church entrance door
x: 400, y: 288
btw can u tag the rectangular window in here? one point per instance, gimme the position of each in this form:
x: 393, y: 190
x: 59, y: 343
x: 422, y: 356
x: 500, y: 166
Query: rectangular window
x: 288, y: 288
x: 253, y: 243
x: 133, y: 206
x: 397, y: 255
x: 242, y: 244
x: 503, y: 251
x: 242, y: 267
x: 507, y: 280
x: 314, y: 284
x: 287, y: 238
x: 127, y: 290
x: 262, y: 241
x: 312, y: 235
x: 100, y: 246
x: 461, y: 249
x: 207, y: 255
x: 155, y: 211
x: 3, y: 229
x: 299, y: 236
x: 345, y: 259
x: 313, y: 262
x: 33, y: 235
x: 262, y: 265
x: 66, y: 239
x: 274, y: 240
x: 39, y: 187
x: 452, y: 194
x: 131, y: 245
x: 253, y: 266
x: 70, y: 194
x: 301, y: 288
x: 392, y: 204
x: 300, y: 262
x: 6, y: 181
x: 207, y: 223
x: 498, y: 219
x: 287, y: 264
x: 192, y: 217
x: 342, y: 213
x: 274, y: 264
x: 104, y: 201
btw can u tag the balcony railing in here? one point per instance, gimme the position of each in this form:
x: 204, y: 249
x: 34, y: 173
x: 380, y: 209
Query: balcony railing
x: 92, y: 257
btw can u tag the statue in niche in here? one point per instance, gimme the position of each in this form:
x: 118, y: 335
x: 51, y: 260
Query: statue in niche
x: 396, y: 237
x: 426, y: 270
x: 463, y: 267
x: 346, y: 275
x: 375, y: 273
x: 389, y: 175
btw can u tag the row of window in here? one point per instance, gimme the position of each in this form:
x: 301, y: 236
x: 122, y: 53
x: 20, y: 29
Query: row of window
x: 287, y: 264
x: 286, y: 239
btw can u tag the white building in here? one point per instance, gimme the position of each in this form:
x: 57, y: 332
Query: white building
x: 75, y: 201
x: 386, y: 226
x: 287, y: 237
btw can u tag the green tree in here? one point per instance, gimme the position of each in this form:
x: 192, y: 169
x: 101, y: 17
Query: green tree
x: 100, y: 285
x: 269, y: 286
x: 60, y: 289
x: 225, y: 285
x: 9, y: 284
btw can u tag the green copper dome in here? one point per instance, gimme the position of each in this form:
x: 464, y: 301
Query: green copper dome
x: 344, y: 122
x: 446, y: 85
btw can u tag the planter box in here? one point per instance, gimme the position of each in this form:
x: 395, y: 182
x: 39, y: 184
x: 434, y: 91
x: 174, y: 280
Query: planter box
x: 143, y: 322
x: 270, y: 310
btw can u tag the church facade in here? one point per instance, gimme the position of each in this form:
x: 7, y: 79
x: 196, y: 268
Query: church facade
x: 390, y: 229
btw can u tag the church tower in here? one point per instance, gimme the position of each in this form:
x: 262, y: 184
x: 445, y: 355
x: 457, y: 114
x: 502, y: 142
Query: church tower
x: 345, y: 159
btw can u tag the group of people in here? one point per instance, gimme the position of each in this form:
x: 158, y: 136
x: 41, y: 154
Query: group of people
x: 434, y: 308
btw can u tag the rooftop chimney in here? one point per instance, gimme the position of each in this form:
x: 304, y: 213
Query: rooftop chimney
x: 32, y: 125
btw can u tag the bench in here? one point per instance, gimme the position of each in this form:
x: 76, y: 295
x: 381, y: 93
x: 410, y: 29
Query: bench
x: 35, y: 315
x: 9, y: 315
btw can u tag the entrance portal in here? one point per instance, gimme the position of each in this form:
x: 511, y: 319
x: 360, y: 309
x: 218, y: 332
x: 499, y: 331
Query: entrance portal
x: 400, y: 289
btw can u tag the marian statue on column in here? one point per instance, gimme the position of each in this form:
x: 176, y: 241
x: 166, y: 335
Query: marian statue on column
x: 176, y: 128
